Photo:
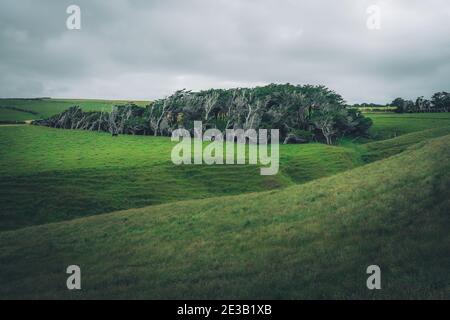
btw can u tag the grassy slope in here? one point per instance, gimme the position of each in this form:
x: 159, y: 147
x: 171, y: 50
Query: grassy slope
x: 49, y: 107
x: 14, y: 115
x: 388, y: 125
x: 382, y: 149
x: 308, y: 241
x: 49, y: 175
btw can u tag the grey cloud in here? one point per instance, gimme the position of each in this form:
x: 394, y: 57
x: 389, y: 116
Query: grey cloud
x: 146, y: 49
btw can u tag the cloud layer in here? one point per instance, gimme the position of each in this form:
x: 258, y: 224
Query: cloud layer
x: 136, y: 49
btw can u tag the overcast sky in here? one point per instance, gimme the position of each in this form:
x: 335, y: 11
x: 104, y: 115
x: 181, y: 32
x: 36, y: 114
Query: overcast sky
x: 136, y: 49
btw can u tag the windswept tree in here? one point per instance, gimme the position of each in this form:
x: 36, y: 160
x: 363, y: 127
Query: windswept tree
x: 317, y: 96
x: 162, y: 108
x: 303, y: 113
x: 325, y: 120
x: 235, y: 108
x: 402, y: 105
x: 422, y: 105
x: 441, y: 101
x: 254, y: 109
x: 210, y: 102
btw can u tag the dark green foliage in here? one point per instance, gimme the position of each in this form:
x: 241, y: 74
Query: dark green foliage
x: 19, y: 109
x: 123, y: 119
x: 314, y: 109
x: 402, y: 105
x: 440, y: 102
x: 299, y: 136
x: 354, y: 123
x: 3, y: 122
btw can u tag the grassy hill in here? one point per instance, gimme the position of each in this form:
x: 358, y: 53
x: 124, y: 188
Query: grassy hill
x: 382, y: 149
x: 50, y: 175
x: 313, y: 240
x: 389, y: 125
x: 225, y: 231
x: 19, y: 109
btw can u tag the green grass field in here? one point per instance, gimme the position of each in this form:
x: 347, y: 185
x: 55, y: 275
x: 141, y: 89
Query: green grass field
x: 57, y: 175
x: 389, y: 125
x: 308, y: 241
x: 49, y: 107
x: 50, y: 175
x: 224, y: 231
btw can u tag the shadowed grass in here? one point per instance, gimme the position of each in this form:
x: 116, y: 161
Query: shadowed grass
x: 308, y: 241
x: 382, y: 149
x: 388, y: 125
x: 50, y: 175
x: 49, y: 107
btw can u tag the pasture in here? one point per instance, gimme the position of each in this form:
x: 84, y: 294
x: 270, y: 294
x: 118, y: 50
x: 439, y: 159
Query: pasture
x: 19, y: 109
x: 49, y: 175
x: 141, y: 227
x: 309, y: 241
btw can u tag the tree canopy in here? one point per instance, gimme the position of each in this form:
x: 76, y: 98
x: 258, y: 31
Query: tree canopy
x: 440, y: 102
x: 301, y: 113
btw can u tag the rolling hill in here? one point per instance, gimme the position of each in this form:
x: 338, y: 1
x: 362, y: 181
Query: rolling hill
x: 32, y: 109
x: 50, y: 175
x: 313, y: 240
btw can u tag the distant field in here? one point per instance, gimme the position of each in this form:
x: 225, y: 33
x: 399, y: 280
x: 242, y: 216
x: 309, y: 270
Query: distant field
x: 391, y: 125
x: 310, y: 241
x: 377, y: 109
x: 49, y: 107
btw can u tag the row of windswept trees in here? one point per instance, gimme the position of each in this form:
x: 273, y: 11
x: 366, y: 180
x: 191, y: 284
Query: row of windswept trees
x: 439, y: 102
x: 301, y: 113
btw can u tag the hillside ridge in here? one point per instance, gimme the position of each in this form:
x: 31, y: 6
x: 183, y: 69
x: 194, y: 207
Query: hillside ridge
x: 276, y: 244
